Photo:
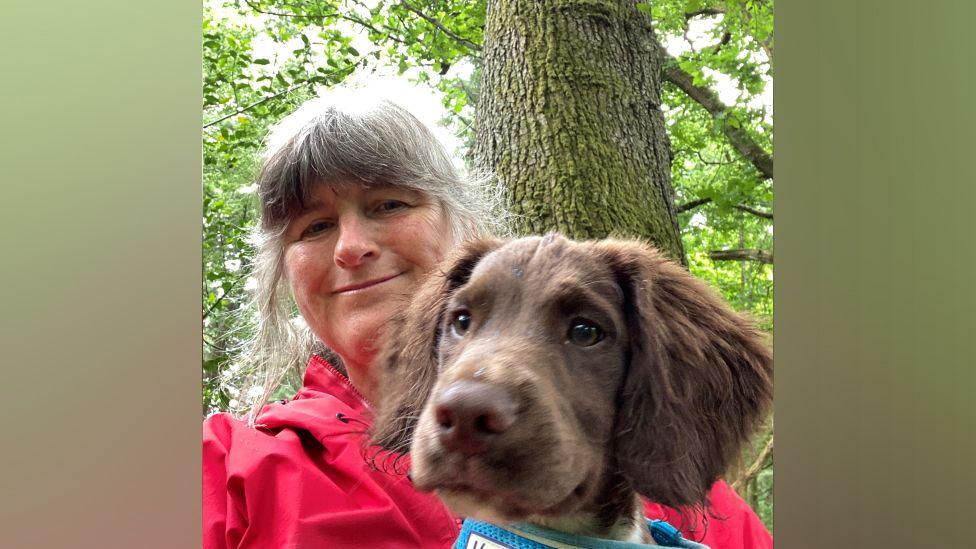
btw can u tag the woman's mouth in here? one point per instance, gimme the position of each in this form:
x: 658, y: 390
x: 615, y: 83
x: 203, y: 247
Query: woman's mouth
x: 363, y: 286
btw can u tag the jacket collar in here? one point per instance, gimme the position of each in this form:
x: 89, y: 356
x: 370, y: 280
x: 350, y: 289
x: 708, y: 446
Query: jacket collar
x: 327, y: 405
x: 322, y: 378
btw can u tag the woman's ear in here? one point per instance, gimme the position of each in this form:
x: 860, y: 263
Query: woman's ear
x: 699, y: 378
x: 407, y: 364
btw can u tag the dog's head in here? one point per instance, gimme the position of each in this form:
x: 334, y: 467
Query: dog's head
x: 527, y: 373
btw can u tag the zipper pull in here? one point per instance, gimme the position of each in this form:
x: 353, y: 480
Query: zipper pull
x: 346, y: 419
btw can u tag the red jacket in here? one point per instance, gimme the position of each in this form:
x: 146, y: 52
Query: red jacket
x: 300, y: 481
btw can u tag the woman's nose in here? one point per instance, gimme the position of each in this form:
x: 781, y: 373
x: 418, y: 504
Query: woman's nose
x: 356, y: 244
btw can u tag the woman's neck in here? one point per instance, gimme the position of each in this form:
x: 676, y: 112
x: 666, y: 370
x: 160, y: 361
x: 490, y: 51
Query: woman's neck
x: 362, y: 378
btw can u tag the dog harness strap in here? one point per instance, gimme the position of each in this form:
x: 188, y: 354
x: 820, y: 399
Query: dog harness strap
x: 666, y: 535
x: 483, y: 535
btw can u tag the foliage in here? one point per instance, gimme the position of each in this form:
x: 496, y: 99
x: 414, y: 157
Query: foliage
x: 737, y: 45
x: 237, y: 114
x: 261, y: 58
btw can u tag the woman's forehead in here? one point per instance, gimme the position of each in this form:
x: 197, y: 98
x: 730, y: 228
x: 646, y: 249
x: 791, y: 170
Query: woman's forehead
x: 324, y: 194
x: 345, y: 188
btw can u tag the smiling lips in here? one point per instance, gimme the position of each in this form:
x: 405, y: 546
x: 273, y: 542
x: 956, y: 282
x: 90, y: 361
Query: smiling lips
x: 360, y: 286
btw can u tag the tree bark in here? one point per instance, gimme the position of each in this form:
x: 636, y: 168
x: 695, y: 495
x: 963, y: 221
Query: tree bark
x: 569, y: 119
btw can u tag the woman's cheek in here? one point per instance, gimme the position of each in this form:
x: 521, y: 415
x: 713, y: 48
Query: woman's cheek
x: 428, y: 234
x: 305, y: 269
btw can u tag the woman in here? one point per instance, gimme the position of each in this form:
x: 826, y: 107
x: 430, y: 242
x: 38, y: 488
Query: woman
x: 358, y: 202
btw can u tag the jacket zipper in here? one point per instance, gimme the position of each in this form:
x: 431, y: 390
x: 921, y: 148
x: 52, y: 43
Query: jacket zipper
x: 458, y: 522
x: 349, y: 384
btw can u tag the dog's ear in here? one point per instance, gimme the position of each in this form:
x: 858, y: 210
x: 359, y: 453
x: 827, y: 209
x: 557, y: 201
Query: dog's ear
x: 699, y: 378
x: 408, y: 360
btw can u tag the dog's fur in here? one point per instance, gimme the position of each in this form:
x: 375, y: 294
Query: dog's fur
x: 659, y: 407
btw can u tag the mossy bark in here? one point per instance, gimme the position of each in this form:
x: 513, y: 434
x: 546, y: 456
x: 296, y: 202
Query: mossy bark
x: 569, y: 119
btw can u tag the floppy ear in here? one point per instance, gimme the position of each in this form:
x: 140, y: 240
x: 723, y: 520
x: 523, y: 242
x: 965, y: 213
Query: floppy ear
x: 699, y: 378
x: 408, y: 362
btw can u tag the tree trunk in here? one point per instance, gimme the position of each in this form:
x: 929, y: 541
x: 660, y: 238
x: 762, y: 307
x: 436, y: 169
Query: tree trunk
x: 569, y: 119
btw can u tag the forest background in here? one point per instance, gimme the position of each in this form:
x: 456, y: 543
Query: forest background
x: 263, y: 58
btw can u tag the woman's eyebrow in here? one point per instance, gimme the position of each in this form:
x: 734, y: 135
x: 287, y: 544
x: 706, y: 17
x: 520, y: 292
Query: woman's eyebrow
x: 309, y: 207
x: 387, y: 187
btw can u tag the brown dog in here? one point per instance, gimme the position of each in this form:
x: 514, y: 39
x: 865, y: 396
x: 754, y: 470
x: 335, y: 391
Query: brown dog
x: 549, y: 381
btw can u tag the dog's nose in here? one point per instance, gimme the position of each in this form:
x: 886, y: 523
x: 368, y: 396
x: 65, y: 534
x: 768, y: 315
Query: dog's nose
x: 470, y: 413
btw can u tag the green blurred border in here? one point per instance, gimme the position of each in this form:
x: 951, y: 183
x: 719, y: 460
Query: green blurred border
x: 875, y: 258
x: 101, y: 273
x: 101, y: 206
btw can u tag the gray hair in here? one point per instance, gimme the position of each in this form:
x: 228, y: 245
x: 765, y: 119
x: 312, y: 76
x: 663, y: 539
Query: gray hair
x: 343, y: 139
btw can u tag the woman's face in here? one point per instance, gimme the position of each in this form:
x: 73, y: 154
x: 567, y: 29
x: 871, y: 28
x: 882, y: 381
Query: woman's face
x: 352, y: 257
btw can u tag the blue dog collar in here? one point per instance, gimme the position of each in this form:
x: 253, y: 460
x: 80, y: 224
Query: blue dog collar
x: 483, y: 535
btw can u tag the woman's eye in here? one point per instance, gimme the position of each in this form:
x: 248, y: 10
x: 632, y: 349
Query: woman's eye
x: 316, y: 228
x: 390, y: 206
x: 584, y: 333
x: 461, y: 322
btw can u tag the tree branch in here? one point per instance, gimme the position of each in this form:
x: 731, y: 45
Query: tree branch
x: 726, y: 38
x: 698, y: 202
x: 761, y: 256
x: 213, y: 345
x: 756, y: 467
x: 718, y: 10
x: 712, y: 163
x: 255, y: 104
x: 454, y: 36
x: 753, y: 211
x: 766, y: 44
x: 294, y: 15
x: 338, y: 15
x: 223, y: 295
x: 708, y: 99
x: 307, y: 82
x: 691, y: 205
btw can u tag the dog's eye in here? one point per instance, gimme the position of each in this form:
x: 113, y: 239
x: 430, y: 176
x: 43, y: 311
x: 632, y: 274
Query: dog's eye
x: 461, y: 322
x: 584, y: 333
